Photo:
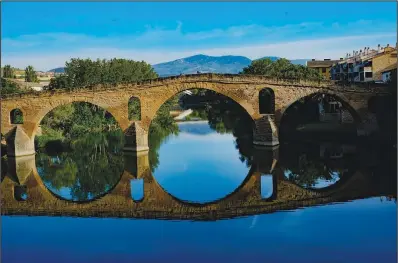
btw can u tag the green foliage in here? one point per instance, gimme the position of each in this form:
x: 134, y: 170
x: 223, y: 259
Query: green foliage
x: 224, y: 116
x: 30, y: 74
x: 8, y: 72
x: 49, y: 134
x: 60, y: 82
x: 76, y: 119
x: 86, y: 72
x: 92, y: 168
x: 282, y: 69
x: 9, y: 87
x: 162, y: 127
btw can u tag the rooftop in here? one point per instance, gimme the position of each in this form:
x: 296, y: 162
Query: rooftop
x: 320, y: 63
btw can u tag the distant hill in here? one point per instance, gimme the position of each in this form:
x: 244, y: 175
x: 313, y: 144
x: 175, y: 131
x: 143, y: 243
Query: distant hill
x: 210, y: 64
x: 203, y: 64
x: 57, y: 70
x: 300, y: 61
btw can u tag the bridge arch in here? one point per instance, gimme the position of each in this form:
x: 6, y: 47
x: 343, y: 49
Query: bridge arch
x: 221, y: 88
x: 120, y: 118
x: 336, y: 96
x: 339, y: 97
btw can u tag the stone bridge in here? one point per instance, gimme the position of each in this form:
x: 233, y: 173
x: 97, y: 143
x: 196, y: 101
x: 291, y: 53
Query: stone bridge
x: 243, y: 89
x: 158, y: 204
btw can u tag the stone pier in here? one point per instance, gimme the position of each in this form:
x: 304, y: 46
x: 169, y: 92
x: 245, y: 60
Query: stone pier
x: 136, y: 138
x: 19, y: 143
x: 265, y: 131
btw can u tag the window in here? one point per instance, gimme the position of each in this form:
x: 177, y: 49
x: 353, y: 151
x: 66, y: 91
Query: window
x: 368, y: 74
x: 323, y: 70
x: 16, y: 116
x: 267, y: 101
x: 134, y: 108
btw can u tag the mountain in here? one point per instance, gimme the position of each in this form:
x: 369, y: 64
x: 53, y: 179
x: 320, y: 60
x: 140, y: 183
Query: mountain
x: 204, y: 64
x: 57, y: 70
x: 300, y: 61
x: 209, y: 64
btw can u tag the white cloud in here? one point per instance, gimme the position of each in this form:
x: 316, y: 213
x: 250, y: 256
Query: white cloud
x: 158, y: 45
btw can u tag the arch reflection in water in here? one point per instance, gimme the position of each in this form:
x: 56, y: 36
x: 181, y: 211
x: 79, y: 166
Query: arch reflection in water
x: 84, y: 169
x: 317, y: 164
x: 200, y: 165
x: 206, y: 159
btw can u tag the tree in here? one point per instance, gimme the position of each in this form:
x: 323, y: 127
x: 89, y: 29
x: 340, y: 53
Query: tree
x: 30, y: 74
x: 86, y: 72
x: 8, y: 87
x: 259, y: 67
x: 281, y: 68
x: 8, y: 72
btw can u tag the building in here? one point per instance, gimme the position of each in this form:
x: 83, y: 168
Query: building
x: 364, y: 66
x: 387, y: 72
x: 323, y: 66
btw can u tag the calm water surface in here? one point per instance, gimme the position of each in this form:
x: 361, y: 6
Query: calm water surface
x: 201, y: 165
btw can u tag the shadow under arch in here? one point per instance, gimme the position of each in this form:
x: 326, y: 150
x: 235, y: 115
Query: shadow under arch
x: 317, y: 95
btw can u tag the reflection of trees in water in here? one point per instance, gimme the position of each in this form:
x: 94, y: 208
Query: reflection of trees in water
x: 304, y: 166
x: 224, y: 116
x: 92, y: 166
x: 162, y: 126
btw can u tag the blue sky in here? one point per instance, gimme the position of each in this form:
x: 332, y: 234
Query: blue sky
x: 46, y: 35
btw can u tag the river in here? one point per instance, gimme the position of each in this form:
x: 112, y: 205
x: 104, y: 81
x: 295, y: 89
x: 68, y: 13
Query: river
x: 199, y: 166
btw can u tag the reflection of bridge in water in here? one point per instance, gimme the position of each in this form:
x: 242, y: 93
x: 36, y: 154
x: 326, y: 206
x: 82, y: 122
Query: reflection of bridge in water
x: 158, y: 204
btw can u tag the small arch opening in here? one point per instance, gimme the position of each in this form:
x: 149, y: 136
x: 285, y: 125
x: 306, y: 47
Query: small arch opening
x: 20, y: 193
x: 267, y: 101
x: 267, y: 186
x: 16, y: 116
x: 134, y: 108
x: 137, y: 189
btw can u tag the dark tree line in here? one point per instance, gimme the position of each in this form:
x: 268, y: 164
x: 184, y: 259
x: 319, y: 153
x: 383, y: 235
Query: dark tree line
x: 281, y: 69
x: 86, y: 72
